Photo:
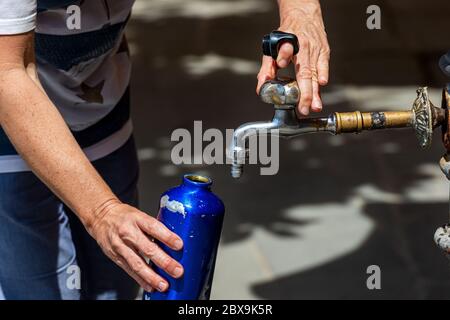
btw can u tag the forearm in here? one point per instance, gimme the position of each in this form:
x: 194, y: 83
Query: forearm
x: 42, y: 138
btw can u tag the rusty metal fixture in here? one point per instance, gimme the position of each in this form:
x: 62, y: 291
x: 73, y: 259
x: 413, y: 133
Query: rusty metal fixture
x: 446, y: 107
x: 442, y: 238
x: 442, y: 234
x: 284, y: 94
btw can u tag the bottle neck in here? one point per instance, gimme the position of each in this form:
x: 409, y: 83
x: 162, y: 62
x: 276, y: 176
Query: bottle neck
x: 197, y: 181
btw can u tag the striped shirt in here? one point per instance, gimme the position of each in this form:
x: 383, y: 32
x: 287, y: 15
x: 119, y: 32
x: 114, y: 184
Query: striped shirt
x: 83, y: 64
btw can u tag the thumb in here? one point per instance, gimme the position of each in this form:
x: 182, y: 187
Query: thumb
x: 285, y: 55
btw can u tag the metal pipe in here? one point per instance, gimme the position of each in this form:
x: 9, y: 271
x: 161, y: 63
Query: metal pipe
x: 284, y: 95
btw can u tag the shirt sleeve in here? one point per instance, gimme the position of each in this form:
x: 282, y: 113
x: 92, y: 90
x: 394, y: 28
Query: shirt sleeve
x: 17, y: 16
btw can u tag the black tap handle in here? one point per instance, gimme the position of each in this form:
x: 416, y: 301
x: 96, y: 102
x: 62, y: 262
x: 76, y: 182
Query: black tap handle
x: 271, y: 43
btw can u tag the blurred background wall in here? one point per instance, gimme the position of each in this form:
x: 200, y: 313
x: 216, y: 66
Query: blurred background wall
x: 338, y: 204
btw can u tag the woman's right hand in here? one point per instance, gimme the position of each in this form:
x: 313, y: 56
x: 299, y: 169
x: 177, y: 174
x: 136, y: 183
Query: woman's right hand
x: 124, y: 233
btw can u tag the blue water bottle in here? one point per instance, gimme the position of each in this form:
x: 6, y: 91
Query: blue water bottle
x: 195, y: 214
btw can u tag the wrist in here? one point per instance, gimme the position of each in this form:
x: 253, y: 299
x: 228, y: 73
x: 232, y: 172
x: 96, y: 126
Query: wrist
x: 298, y: 2
x: 298, y: 7
x: 97, y: 213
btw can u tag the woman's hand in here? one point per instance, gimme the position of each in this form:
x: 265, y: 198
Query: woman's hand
x: 304, y: 19
x: 124, y: 233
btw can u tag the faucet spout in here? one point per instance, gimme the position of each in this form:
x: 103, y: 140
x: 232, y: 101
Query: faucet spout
x: 285, y: 124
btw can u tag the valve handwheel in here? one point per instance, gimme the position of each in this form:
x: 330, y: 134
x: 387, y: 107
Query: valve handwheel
x: 272, y: 42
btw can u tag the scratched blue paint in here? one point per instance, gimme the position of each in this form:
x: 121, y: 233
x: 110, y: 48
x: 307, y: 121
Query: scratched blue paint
x: 200, y: 228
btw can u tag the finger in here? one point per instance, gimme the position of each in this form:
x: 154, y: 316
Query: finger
x: 124, y: 265
x: 267, y: 72
x: 151, y: 251
x: 323, y: 67
x: 316, y: 105
x: 156, y: 229
x: 285, y: 54
x: 137, y: 265
x: 304, y: 78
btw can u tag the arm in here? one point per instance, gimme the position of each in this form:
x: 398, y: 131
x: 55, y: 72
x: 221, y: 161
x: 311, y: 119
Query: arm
x: 40, y: 135
x: 303, y: 18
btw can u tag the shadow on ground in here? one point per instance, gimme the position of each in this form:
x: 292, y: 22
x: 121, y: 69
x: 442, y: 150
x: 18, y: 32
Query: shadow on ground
x: 401, y: 241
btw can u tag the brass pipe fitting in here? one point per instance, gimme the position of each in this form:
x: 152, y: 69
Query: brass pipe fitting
x: 357, y: 121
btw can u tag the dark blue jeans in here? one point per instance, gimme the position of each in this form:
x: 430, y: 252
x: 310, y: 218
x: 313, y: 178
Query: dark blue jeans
x: 45, y: 250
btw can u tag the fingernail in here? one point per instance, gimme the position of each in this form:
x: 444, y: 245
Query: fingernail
x: 162, y: 286
x: 305, y: 111
x: 178, y: 244
x: 323, y: 80
x: 178, y: 272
